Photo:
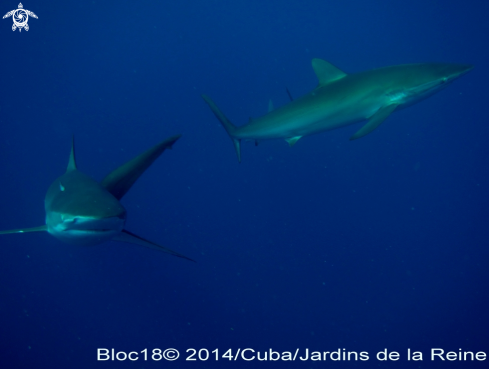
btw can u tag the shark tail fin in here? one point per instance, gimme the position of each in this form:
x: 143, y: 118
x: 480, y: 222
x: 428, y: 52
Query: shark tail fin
x: 25, y: 230
x: 228, y: 126
x: 128, y: 237
x: 119, y: 181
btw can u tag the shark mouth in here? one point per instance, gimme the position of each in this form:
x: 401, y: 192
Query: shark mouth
x: 89, y: 224
x: 81, y: 224
x: 85, y: 230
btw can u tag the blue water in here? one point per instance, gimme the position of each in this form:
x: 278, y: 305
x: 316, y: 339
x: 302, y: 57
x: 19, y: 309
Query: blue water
x: 379, y: 243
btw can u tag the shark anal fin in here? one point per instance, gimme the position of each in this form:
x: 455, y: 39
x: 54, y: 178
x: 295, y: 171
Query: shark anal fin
x: 374, y: 121
x: 72, y: 161
x: 25, y: 230
x: 119, y: 181
x: 128, y: 237
x: 326, y: 72
x: 270, y: 105
x: 292, y: 140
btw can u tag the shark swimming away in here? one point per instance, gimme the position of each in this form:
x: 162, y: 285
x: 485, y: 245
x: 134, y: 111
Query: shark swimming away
x: 82, y: 211
x: 342, y: 99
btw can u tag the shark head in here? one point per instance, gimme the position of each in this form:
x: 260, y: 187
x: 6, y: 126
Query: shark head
x: 423, y: 80
x: 80, y: 211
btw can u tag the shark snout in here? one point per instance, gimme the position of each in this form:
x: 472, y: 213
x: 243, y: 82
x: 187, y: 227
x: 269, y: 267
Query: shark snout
x: 458, y: 70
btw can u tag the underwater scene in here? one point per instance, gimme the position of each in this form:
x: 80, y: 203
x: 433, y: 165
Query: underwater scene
x: 241, y: 184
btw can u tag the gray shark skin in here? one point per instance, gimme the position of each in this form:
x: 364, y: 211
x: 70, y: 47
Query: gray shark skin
x: 342, y: 99
x: 82, y: 211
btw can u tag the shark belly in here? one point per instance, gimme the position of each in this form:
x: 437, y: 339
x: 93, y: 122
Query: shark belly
x: 311, y: 116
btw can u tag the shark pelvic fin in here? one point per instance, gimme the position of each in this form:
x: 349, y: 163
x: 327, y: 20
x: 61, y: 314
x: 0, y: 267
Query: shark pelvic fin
x: 119, y: 181
x: 72, y: 161
x: 128, y: 237
x: 292, y: 140
x: 270, y: 105
x: 25, y: 230
x: 326, y: 72
x: 228, y: 126
x: 374, y: 121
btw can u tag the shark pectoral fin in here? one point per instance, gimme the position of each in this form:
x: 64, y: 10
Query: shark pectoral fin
x: 119, y: 181
x: 25, y: 230
x: 270, y: 105
x: 291, y: 141
x: 326, y: 72
x: 128, y: 237
x: 374, y: 121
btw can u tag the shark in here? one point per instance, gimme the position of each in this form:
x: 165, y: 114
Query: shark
x: 341, y: 99
x: 82, y: 211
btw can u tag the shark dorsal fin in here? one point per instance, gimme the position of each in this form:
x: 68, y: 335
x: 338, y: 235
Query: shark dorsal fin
x: 72, y: 161
x: 119, y: 181
x: 326, y: 72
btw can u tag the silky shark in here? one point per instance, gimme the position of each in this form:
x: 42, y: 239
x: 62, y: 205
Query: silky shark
x: 82, y: 211
x: 342, y: 99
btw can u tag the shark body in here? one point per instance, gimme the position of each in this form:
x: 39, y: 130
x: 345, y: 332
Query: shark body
x: 341, y: 99
x: 82, y: 211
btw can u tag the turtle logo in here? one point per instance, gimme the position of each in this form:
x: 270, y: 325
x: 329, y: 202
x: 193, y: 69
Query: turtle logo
x: 20, y: 17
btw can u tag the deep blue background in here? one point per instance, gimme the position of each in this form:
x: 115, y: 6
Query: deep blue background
x: 365, y: 245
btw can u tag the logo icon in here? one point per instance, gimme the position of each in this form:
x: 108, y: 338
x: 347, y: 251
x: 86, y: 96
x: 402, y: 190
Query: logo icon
x: 20, y: 17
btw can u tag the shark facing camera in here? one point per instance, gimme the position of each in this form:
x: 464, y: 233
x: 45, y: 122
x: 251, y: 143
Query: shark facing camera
x: 82, y: 211
x: 341, y: 99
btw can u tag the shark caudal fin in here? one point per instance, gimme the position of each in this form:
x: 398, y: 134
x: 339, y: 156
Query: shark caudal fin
x: 25, y: 230
x: 119, y: 181
x: 228, y: 126
x: 128, y: 237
